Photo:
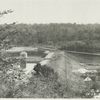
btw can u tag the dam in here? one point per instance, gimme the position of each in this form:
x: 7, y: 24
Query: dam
x: 58, y: 60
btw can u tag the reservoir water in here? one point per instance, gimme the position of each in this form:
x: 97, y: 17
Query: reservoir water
x: 83, y: 58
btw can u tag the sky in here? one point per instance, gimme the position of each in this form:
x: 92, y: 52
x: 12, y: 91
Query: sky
x: 51, y: 11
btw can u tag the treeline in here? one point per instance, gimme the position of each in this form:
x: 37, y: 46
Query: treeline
x: 77, y: 37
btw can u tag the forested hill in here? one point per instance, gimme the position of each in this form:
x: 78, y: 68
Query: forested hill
x: 77, y: 37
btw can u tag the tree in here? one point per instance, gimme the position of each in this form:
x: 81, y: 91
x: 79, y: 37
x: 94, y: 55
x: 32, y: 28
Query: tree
x: 5, y: 12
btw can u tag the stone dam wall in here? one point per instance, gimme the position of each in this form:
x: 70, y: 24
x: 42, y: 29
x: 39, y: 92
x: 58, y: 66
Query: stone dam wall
x: 63, y: 65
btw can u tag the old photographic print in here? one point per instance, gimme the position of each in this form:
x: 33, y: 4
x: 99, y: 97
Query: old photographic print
x: 50, y: 49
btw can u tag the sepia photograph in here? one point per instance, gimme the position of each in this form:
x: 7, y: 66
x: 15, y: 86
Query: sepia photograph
x: 50, y: 49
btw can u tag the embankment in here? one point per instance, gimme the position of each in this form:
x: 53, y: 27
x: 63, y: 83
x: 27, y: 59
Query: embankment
x: 63, y: 65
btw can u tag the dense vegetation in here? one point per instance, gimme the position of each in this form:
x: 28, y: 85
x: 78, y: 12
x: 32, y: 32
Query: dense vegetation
x: 63, y: 36
x: 78, y: 37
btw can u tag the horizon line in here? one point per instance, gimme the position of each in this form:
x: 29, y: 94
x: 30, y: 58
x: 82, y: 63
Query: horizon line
x: 51, y: 23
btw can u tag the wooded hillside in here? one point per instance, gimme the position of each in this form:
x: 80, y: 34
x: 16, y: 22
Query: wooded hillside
x: 77, y: 37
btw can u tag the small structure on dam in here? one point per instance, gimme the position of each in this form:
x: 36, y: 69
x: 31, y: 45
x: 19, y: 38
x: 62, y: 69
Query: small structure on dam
x: 23, y: 57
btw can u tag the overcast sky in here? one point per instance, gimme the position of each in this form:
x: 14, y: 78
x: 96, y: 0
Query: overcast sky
x: 51, y: 11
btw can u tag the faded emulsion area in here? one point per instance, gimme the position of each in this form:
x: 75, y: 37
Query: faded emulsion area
x: 50, y: 49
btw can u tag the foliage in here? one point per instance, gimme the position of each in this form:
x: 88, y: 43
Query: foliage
x: 78, y: 37
x: 65, y: 36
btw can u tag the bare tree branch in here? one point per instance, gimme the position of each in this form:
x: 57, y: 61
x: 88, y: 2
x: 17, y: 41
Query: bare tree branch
x: 5, y: 12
